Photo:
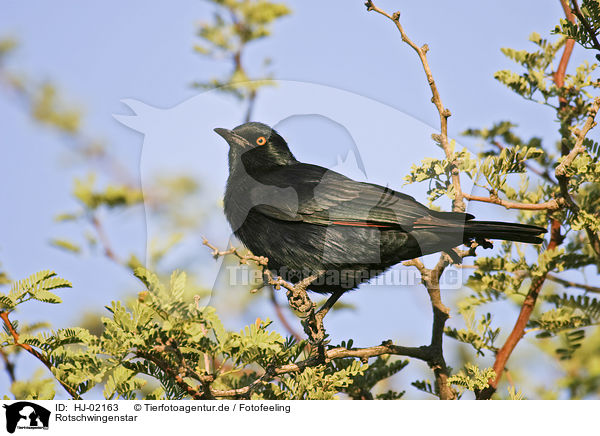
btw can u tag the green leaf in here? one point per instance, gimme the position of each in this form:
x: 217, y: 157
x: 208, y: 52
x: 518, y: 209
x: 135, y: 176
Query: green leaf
x: 66, y: 245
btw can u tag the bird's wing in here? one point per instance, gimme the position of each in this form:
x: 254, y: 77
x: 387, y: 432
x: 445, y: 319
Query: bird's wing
x: 325, y: 197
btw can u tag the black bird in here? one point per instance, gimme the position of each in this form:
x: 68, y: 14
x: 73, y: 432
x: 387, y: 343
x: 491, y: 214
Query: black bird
x: 309, y: 220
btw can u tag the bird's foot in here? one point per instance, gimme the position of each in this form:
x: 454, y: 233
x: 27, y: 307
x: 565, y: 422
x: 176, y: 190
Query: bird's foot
x: 454, y: 256
x: 485, y: 243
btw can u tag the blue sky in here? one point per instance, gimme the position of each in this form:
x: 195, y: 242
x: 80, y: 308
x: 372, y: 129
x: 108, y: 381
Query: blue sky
x: 335, y: 59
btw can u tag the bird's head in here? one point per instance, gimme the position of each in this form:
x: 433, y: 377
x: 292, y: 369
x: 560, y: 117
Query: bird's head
x: 256, y: 146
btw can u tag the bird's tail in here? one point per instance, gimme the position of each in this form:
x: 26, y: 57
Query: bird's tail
x: 505, y: 231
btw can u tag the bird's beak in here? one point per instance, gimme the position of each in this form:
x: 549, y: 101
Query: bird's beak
x: 232, y: 138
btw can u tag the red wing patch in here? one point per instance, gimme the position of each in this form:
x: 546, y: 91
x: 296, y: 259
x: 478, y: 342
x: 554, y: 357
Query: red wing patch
x: 430, y: 222
x: 360, y: 224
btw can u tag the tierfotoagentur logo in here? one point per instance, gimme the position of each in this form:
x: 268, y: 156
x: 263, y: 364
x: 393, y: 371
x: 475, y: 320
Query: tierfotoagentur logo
x: 26, y: 415
x: 244, y: 275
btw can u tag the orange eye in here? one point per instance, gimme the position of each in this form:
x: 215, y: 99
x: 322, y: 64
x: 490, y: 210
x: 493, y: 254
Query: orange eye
x: 261, y: 140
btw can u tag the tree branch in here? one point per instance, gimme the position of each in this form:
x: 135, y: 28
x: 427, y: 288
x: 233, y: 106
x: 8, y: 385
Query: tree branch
x: 577, y: 11
x: 262, y: 262
x: 195, y: 393
x: 424, y: 353
x: 555, y: 236
x: 578, y: 148
x: 313, y: 324
x: 4, y: 316
x: 545, y: 174
x: 444, y: 113
x: 518, y: 330
x: 547, y: 205
x: 570, y: 284
x: 104, y: 241
x: 556, y: 239
x: 559, y: 75
x: 560, y: 173
x: 430, y: 278
x: 435, y: 360
x: 561, y: 170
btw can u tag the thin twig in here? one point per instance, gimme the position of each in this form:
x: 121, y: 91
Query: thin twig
x: 194, y: 392
x: 551, y: 277
x: 544, y: 174
x: 243, y: 258
x: 245, y: 391
x: 36, y: 354
x: 586, y: 25
x: 250, y: 109
x: 559, y: 75
x: 261, y: 261
x: 104, y: 241
x: 578, y: 148
x: 386, y: 348
x: 570, y: 284
x: 444, y: 113
x: 561, y: 170
x: 207, y: 366
x: 547, y: 205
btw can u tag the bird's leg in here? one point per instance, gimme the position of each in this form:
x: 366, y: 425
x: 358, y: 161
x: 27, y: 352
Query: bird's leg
x: 485, y: 243
x: 313, y: 321
x: 456, y: 259
x: 326, y: 307
x: 313, y: 325
x: 261, y: 284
